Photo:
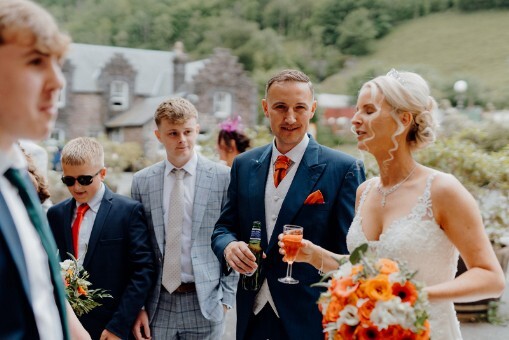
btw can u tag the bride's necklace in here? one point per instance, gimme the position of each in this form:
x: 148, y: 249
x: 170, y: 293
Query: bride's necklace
x: 387, y: 192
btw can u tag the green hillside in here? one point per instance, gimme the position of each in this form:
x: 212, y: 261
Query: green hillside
x: 444, y: 47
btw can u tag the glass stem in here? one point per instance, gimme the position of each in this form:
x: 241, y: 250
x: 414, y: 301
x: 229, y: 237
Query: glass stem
x: 289, y: 270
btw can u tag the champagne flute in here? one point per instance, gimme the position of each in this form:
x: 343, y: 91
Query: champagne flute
x: 292, y: 237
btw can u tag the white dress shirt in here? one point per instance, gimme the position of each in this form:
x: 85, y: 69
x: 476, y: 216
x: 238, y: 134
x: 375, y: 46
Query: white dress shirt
x: 43, y: 301
x: 87, y: 223
x: 274, y: 198
x: 187, y: 273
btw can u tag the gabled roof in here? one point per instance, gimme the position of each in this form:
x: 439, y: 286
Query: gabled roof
x: 154, y: 68
x: 138, y: 114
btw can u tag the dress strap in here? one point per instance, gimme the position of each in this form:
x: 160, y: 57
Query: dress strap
x: 369, y: 183
x: 425, y: 199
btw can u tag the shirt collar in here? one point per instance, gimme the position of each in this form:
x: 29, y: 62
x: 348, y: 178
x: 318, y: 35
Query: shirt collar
x: 190, y: 166
x: 95, y: 202
x: 294, y: 154
x: 12, y: 158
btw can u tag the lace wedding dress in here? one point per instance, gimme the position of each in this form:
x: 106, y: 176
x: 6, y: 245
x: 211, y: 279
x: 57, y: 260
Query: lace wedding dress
x: 418, y: 241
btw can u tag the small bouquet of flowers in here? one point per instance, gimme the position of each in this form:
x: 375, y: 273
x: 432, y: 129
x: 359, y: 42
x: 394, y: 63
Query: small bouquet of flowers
x: 368, y: 298
x: 80, y: 297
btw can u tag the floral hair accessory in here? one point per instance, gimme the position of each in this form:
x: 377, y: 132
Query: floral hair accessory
x: 231, y: 125
x: 395, y: 74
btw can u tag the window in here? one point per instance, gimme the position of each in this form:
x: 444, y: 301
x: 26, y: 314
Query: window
x: 117, y: 135
x: 222, y: 104
x: 119, y: 95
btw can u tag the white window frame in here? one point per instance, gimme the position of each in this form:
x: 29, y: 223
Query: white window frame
x: 222, y: 104
x: 119, y: 95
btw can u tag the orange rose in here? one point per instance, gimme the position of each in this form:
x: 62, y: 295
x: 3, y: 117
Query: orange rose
x: 345, y: 287
x: 407, y: 292
x: 378, y: 288
x: 387, y: 266
x: 365, y: 311
x: 81, y: 291
x: 333, y: 309
x: 361, y: 291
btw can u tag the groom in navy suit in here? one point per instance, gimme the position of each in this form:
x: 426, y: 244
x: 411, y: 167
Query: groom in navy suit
x: 293, y: 180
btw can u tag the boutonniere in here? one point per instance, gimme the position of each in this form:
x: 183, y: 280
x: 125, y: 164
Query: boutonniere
x: 315, y: 197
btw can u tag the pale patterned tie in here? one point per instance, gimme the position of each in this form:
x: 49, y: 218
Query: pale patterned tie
x: 172, y: 249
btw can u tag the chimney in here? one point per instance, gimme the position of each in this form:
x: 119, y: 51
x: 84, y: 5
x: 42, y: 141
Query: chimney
x: 179, y: 66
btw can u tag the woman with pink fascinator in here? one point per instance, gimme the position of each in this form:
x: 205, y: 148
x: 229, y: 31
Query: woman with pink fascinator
x: 231, y: 140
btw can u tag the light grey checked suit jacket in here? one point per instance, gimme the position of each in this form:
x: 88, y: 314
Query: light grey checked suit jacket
x: 212, y: 287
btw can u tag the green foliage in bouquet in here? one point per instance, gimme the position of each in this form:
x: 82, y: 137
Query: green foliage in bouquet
x: 80, y: 297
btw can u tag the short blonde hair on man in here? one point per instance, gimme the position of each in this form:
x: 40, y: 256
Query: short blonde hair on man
x: 289, y: 75
x: 27, y: 23
x: 176, y: 110
x: 83, y: 150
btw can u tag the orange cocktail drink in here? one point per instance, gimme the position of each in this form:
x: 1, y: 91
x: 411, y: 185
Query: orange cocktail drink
x: 292, y: 245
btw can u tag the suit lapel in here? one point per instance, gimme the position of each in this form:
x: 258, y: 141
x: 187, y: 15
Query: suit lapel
x: 204, y: 178
x: 155, y: 187
x: 99, y: 222
x: 307, y: 175
x: 257, y: 179
x: 9, y: 232
x: 67, y: 226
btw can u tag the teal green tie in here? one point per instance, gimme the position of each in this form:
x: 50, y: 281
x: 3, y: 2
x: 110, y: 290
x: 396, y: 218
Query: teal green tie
x: 34, y: 210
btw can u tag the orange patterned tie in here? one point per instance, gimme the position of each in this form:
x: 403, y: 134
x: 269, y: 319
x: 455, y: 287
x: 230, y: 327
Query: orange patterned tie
x: 280, y: 168
x: 82, y: 209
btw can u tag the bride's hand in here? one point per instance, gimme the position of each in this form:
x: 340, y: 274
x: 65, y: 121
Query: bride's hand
x: 305, y: 253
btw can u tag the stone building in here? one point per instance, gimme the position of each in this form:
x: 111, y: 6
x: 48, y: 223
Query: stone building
x: 114, y: 91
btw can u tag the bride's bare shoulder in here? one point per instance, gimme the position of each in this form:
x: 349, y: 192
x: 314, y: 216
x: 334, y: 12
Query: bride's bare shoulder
x: 447, y: 189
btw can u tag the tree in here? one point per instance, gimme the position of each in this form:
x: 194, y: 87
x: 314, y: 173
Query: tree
x: 357, y: 33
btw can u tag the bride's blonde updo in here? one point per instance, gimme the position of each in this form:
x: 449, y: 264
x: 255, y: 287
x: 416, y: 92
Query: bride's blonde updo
x: 409, y: 92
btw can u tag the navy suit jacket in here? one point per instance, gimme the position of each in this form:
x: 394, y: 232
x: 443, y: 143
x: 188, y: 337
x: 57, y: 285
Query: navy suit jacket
x: 119, y: 259
x: 17, y: 320
x: 337, y: 176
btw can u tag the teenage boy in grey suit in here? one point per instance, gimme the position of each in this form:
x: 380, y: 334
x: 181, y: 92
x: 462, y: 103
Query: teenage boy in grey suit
x: 191, y: 295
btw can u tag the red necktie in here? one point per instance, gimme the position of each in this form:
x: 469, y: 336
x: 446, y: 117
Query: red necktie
x: 82, y: 209
x: 280, y: 168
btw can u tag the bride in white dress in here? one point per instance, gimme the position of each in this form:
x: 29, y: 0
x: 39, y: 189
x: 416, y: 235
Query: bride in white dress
x: 412, y: 213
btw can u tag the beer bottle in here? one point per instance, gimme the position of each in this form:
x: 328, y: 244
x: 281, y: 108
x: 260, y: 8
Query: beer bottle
x: 252, y: 281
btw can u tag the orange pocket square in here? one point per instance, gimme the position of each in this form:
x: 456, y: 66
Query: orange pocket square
x: 315, y: 198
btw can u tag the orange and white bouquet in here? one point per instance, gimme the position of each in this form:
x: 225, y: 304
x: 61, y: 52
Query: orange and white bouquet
x: 369, y: 298
x: 80, y: 297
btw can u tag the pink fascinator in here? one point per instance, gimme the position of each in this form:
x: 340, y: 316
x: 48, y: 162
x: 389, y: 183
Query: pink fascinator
x: 231, y: 125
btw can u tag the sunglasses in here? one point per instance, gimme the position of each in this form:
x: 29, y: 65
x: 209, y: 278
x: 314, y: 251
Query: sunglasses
x: 82, y: 180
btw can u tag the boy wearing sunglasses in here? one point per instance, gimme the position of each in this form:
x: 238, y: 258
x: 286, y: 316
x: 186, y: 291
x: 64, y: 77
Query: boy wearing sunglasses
x: 108, y: 235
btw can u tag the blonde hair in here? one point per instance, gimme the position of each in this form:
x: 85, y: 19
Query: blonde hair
x: 27, y: 23
x: 83, y: 150
x: 176, y: 110
x: 408, y: 92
